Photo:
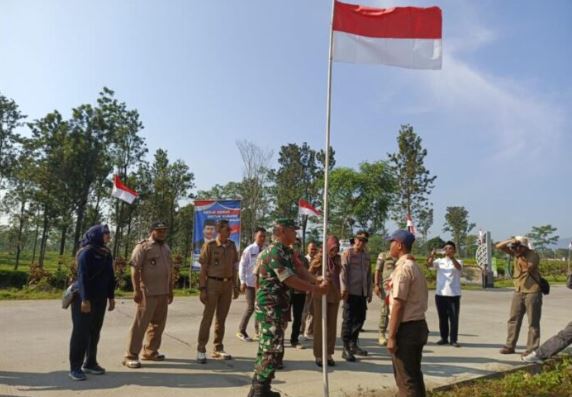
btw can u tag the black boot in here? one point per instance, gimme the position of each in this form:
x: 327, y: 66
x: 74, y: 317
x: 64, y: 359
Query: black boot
x: 251, y: 392
x: 347, y: 353
x: 262, y: 389
x: 357, y: 350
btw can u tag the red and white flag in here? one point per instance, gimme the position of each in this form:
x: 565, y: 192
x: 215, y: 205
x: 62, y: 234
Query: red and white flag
x: 410, y: 225
x: 409, y: 37
x: 122, y: 192
x: 305, y: 208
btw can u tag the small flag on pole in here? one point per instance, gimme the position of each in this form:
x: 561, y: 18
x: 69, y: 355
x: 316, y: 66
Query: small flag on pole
x: 122, y: 192
x: 305, y: 208
x: 408, y: 37
x: 410, y: 225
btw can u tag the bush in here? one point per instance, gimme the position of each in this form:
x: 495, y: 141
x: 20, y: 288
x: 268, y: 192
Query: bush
x: 13, y: 278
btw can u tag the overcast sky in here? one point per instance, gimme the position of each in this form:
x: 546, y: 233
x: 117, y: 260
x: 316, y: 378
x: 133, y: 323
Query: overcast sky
x: 496, y: 119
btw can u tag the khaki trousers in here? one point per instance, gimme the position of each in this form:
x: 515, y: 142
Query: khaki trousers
x: 149, y: 323
x: 522, y: 303
x: 219, y: 296
x: 332, y: 309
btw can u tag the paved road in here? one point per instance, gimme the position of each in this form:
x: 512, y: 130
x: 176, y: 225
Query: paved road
x: 34, y: 339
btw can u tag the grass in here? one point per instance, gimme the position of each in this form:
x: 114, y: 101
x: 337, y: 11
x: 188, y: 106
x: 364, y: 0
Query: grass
x: 553, y: 379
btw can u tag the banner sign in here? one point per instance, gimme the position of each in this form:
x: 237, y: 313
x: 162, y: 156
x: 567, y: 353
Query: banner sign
x: 207, y: 213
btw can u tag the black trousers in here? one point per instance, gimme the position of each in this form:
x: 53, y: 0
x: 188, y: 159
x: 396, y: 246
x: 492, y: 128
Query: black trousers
x: 297, y: 302
x: 353, y: 318
x: 448, y: 309
x: 85, y: 333
x: 411, y: 337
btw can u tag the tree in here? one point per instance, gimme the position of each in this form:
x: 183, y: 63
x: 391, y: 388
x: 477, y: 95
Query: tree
x: 543, y: 237
x: 254, y: 186
x: 10, y: 119
x: 360, y: 198
x: 424, y: 222
x: 48, y: 146
x: 413, y: 179
x: 457, y: 223
x: 300, y: 175
x: 171, y: 183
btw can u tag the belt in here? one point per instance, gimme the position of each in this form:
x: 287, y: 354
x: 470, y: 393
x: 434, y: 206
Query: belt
x: 220, y: 278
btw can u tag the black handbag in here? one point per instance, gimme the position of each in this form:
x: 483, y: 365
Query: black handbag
x: 543, y: 284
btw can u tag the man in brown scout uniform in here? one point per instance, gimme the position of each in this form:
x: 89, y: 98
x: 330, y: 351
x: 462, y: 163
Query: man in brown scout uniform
x: 218, y: 283
x: 151, y: 269
x: 407, y: 326
x: 527, y: 297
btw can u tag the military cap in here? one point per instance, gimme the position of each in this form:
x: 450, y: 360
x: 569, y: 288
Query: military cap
x: 287, y: 222
x: 158, y: 225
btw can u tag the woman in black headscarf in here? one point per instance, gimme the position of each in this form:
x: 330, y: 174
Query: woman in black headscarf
x: 96, y: 285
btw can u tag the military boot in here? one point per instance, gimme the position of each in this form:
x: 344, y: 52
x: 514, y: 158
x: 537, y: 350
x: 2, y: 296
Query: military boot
x: 262, y: 389
x: 358, y: 351
x: 347, y: 353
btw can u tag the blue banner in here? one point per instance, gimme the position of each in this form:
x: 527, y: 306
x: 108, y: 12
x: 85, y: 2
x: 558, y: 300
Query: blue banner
x: 207, y: 213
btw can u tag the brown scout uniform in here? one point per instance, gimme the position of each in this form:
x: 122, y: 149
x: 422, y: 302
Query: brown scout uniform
x: 527, y: 298
x: 153, y: 260
x: 408, y: 285
x: 219, y: 264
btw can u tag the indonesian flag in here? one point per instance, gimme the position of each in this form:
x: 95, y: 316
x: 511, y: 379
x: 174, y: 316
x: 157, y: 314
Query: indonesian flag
x: 410, y: 225
x: 305, y: 208
x: 408, y: 37
x: 122, y: 192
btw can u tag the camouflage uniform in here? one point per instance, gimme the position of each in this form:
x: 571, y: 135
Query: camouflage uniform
x: 385, y: 264
x: 274, y: 265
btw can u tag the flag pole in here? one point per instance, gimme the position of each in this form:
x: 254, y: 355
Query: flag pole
x: 325, y: 206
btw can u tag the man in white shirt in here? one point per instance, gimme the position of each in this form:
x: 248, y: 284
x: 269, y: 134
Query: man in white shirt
x: 248, y: 281
x: 447, y: 292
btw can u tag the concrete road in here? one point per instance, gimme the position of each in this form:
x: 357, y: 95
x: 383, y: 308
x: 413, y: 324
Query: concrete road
x: 34, y: 337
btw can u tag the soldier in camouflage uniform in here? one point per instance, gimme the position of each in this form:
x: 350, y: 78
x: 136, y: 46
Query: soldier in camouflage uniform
x: 277, y: 273
x: 383, y: 269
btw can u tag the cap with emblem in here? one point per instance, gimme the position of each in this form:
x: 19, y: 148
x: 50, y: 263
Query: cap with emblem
x: 158, y: 225
x: 403, y: 236
x: 287, y: 222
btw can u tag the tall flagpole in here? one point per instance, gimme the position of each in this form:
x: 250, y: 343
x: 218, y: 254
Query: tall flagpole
x: 325, y: 207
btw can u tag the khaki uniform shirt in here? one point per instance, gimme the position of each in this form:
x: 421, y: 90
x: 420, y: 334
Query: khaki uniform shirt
x: 153, y: 260
x: 408, y: 284
x: 355, y: 276
x: 221, y: 260
x: 523, y: 281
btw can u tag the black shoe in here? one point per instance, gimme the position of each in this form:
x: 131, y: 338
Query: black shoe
x: 442, y: 342
x: 455, y: 344
x: 93, y: 369
x: 331, y: 362
x: 319, y: 362
x: 348, y: 355
x: 358, y: 351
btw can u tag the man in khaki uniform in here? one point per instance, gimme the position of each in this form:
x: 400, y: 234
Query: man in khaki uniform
x: 407, y: 326
x: 527, y: 297
x: 151, y: 275
x: 218, y: 285
x: 383, y: 268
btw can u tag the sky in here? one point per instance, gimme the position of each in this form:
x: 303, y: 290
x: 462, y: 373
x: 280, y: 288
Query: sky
x: 496, y: 120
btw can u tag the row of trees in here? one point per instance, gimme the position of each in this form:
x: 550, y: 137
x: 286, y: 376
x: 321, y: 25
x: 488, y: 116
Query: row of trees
x: 56, y: 176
